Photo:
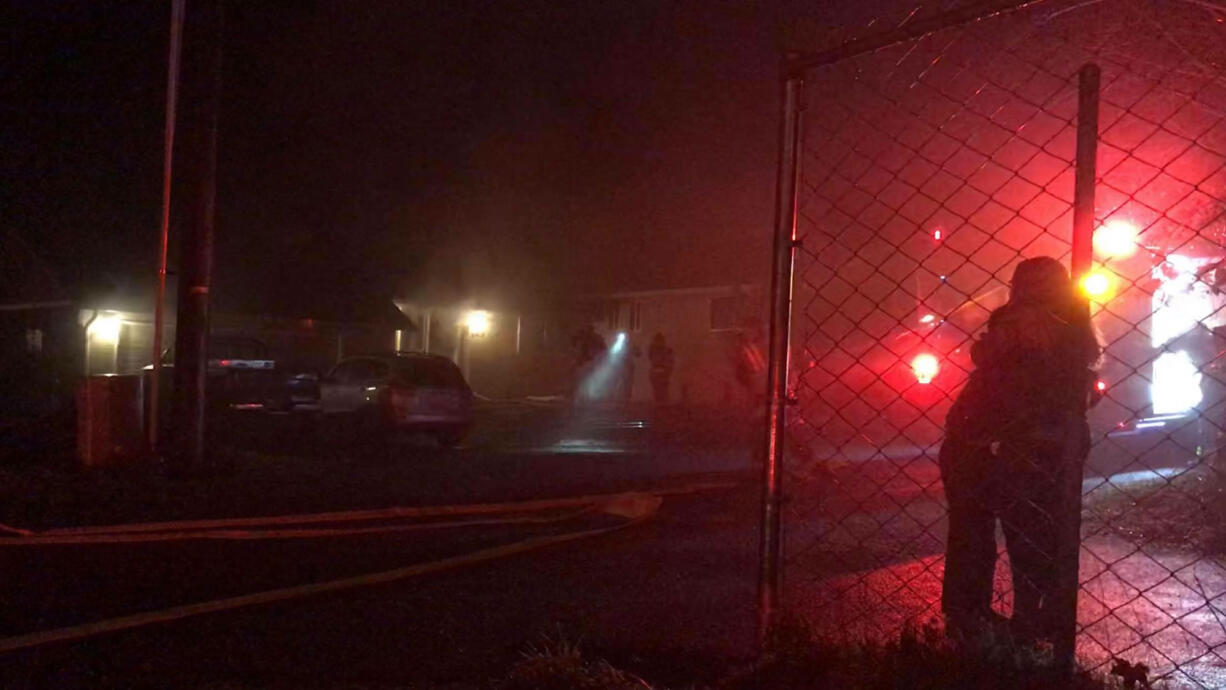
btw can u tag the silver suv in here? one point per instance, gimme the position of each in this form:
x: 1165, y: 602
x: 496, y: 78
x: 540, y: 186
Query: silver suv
x: 413, y: 392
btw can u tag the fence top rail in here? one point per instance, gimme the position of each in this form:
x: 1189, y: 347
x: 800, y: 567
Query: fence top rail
x: 797, y: 64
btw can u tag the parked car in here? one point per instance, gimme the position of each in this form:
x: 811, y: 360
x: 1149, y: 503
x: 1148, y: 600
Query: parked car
x: 298, y: 390
x: 239, y: 374
x: 402, y: 392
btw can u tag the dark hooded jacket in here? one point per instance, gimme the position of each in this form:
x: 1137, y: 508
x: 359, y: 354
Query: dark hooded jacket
x: 1033, y: 364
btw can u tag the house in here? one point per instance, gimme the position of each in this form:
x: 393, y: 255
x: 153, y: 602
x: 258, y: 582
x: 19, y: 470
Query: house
x: 702, y: 326
x: 40, y: 345
x: 121, y: 342
x: 529, y: 351
x: 53, y: 336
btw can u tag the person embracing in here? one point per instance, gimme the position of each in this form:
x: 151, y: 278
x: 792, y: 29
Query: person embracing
x: 1013, y: 435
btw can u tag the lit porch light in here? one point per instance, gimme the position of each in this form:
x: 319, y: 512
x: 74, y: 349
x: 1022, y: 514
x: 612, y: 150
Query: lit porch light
x: 477, y: 322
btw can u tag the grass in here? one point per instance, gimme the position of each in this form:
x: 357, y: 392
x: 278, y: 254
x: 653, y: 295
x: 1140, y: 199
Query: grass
x: 1188, y: 511
x: 560, y: 665
x: 918, y: 659
x: 796, y: 659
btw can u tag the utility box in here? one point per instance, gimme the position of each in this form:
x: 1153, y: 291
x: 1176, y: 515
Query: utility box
x: 109, y: 420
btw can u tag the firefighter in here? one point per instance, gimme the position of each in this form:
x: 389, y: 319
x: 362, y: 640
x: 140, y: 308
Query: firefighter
x: 749, y: 363
x: 1015, y: 432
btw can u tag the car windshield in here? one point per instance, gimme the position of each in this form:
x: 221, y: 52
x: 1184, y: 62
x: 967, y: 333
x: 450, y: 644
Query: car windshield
x: 428, y: 372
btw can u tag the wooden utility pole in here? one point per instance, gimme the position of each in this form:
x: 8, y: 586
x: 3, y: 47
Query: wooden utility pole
x: 196, y: 195
x: 153, y: 395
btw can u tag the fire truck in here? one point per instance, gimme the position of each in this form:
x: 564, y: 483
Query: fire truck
x: 879, y: 386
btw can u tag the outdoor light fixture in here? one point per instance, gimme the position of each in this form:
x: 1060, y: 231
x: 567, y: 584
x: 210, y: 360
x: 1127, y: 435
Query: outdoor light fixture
x: 477, y: 322
x: 105, y: 329
x: 925, y: 367
x: 1116, y: 239
x: 619, y: 343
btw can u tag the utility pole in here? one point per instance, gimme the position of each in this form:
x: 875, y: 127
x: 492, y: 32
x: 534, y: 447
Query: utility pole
x: 201, y: 105
x: 159, y: 313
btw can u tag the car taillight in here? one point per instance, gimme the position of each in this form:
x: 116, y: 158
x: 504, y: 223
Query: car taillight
x: 925, y: 367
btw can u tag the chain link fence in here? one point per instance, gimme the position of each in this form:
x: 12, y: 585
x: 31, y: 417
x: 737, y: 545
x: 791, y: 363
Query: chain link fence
x: 928, y: 170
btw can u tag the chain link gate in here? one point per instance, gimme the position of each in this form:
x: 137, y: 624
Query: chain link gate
x: 928, y: 168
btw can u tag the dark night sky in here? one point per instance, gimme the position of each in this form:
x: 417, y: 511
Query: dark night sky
x: 509, y: 148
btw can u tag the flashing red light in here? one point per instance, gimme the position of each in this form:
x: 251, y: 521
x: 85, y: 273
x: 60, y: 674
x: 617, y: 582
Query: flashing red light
x: 937, y: 234
x: 925, y: 368
x: 1100, y: 386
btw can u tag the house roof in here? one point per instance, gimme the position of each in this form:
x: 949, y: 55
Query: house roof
x: 727, y: 289
x: 25, y: 278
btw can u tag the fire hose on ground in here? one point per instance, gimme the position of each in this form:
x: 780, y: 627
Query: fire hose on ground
x: 634, y: 508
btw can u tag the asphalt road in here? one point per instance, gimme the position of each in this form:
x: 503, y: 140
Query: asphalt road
x: 636, y: 595
x: 672, y: 598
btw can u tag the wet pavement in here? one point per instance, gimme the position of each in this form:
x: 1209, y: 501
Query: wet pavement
x: 863, y: 573
x: 672, y: 599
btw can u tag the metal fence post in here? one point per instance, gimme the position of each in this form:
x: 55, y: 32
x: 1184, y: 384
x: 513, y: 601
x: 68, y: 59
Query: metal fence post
x: 780, y: 329
x: 1069, y: 544
x: 1086, y: 169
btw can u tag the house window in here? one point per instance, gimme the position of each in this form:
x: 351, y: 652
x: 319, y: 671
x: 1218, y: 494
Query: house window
x: 611, y: 313
x: 636, y: 316
x: 726, y: 312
